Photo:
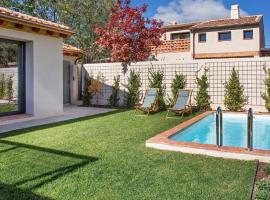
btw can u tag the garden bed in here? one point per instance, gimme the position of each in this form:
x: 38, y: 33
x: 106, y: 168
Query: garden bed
x: 261, y: 190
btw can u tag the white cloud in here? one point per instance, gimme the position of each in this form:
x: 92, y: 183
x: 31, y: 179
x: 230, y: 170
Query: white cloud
x: 183, y: 11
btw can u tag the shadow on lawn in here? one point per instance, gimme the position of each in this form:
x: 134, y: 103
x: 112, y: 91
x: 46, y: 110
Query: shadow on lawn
x: 42, y: 127
x: 13, y: 191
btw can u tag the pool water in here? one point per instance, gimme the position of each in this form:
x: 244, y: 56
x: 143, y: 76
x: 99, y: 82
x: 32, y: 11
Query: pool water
x: 234, y: 131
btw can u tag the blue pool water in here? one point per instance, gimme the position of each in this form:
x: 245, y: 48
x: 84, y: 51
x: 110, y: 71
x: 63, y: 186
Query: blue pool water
x: 234, y: 131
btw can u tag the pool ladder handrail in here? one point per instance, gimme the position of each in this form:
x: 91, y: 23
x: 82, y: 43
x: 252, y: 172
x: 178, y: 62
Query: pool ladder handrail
x: 219, y: 127
x: 250, y: 130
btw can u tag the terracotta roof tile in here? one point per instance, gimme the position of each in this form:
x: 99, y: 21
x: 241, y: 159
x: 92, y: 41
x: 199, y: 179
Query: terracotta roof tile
x: 27, y: 19
x: 186, y: 26
x: 71, y: 50
x: 249, y: 20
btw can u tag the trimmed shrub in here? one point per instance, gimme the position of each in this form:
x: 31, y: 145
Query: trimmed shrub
x: 179, y: 82
x: 9, y: 85
x: 113, y: 99
x: 2, y: 86
x: 202, y: 97
x: 266, y: 95
x: 156, y: 81
x: 87, y: 95
x: 235, y: 99
x: 133, y: 93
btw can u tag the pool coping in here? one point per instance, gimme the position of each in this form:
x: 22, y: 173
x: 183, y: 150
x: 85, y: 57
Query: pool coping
x: 162, y: 141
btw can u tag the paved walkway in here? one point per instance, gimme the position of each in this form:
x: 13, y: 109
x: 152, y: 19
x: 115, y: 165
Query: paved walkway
x: 70, y: 112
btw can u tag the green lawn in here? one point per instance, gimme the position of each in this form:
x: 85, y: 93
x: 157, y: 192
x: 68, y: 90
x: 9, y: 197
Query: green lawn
x: 7, y: 108
x: 105, y: 157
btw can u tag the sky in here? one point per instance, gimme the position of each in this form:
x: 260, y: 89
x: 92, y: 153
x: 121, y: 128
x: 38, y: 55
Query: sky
x: 184, y: 11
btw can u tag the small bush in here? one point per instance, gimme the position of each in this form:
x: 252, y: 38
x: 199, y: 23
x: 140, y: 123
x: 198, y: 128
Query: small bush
x: 10, y: 91
x: 262, y: 195
x: 133, y: 93
x: 263, y: 190
x: 95, y: 88
x: 266, y: 169
x: 179, y: 82
x: 235, y: 99
x: 113, y: 99
x: 87, y: 96
x: 202, y: 97
x: 2, y: 86
x: 156, y: 81
x: 263, y: 185
x: 266, y: 95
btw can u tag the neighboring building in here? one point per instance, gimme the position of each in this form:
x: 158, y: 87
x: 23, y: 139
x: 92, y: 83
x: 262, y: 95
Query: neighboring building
x: 223, y: 38
x: 39, y: 60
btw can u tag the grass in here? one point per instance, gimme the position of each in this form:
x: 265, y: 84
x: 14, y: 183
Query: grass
x: 105, y: 157
x: 7, y: 108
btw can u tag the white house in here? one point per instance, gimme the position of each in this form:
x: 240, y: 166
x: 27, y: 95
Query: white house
x: 35, y: 47
x: 233, y: 37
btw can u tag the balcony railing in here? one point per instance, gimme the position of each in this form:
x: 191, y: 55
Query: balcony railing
x: 182, y: 45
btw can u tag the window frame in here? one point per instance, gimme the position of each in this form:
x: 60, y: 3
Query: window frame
x: 21, y: 78
x: 199, y: 38
x: 250, y: 30
x: 179, y: 33
x: 225, y: 32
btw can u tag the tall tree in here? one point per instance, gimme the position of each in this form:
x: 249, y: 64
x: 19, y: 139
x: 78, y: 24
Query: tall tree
x: 81, y: 15
x: 128, y: 35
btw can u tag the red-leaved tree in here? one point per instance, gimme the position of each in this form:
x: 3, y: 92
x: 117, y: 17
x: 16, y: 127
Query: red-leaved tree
x: 128, y: 35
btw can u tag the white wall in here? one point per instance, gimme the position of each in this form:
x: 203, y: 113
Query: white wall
x: 237, y: 43
x: 44, y: 72
x: 251, y: 75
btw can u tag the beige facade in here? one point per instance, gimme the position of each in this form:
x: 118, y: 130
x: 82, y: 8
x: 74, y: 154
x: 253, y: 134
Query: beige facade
x: 237, y: 43
x: 212, y: 46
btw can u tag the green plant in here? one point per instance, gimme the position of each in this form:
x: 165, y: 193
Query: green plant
x: 266, y: 169
x: 202, y: 97
x: 95, y: 88
x: 179, y: 82
x: 262, y: 195
x: 263, y: 185
x: 156, y: 81
x: 235, y: 99
x: 263, y: 190
x: 2, y: 86
x: 9, y: 85
x: 113, y: 99
x: 87, y: 95
x: 133, y: 93
x: 266, y: 95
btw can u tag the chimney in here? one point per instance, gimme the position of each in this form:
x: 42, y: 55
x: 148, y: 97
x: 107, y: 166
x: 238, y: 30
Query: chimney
x: 235, y: 12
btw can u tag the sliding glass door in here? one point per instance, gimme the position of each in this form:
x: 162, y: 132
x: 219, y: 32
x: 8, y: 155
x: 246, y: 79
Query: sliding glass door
x: 12, y: 77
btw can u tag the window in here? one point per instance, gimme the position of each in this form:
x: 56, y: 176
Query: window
x: 248, y: 35
x: 224, y: 36
x: 12, y: 77
x: 202, y: 37
x: 180, y: 36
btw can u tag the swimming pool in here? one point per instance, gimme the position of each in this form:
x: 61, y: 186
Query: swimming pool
x: 234, y: 131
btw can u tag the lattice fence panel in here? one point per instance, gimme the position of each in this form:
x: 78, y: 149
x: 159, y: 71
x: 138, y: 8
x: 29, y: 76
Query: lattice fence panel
x: 251, y: 75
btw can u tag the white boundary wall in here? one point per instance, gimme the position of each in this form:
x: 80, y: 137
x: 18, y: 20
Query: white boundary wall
x: 218, y: 71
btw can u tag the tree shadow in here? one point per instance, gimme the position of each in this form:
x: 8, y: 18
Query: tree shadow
x: 14, y: 191
x: 9, y: 192
x: 56, y: 124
